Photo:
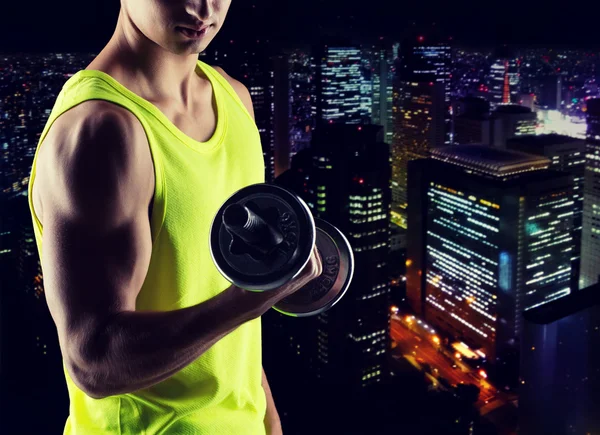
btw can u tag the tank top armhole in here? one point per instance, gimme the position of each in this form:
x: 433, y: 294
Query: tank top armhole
x: 226, y: 85
x: 159, y: 201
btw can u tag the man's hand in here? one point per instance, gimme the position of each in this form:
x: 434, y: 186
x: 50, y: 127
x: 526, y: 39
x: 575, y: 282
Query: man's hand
x: 272, y: 421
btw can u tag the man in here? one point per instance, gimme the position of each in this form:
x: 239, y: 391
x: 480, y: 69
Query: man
x: 141, y: 149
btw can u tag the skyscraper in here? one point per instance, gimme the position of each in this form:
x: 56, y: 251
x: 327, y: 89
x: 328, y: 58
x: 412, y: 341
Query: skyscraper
x: 356, y: 335
x: 303, y: 99
x: 511, y: 120
x: 367, y: 85
x: 422, y: 114
x: 339, y: 85
x: 590, y: 246
x: 504, y: 82
x: 549, y: 89
x: 282, y: 111
x: 566, y: 154
x: 472, y: 123
x: 491, y: 235
x: 348, y: 185
x: 381, y: 76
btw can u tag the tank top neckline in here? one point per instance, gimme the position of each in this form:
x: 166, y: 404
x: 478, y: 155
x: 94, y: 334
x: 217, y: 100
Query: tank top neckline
x: 218, y: 135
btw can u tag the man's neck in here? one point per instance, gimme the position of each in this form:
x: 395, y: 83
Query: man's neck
x: 156, y: 72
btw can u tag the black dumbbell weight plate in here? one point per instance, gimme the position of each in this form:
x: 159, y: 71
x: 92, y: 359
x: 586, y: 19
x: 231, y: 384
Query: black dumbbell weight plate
x: 325, y: 291
x: 250, y: 270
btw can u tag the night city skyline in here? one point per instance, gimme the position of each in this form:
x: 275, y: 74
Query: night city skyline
x: 455, y: 145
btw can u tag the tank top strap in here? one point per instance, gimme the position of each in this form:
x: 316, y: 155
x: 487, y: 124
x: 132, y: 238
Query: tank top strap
x: 225, y: 85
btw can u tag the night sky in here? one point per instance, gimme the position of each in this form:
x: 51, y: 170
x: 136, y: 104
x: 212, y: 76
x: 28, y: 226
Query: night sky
x: 86, y: 25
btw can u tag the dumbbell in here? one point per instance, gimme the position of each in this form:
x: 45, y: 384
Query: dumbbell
x: 263, y: 236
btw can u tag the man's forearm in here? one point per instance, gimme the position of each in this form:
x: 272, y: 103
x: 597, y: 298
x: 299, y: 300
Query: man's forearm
x: 136, y: 350
x: 272, y: 416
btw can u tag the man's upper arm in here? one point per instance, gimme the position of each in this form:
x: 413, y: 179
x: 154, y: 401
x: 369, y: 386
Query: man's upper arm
x: 93, y: 182
x: 240, y: 89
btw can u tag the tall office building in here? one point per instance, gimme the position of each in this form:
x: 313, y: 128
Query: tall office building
x: 367, y: 87
x: 506, y: 122
x: 590, y: 246
x: 303, y: 99
x: 472, y: 123
x: 356, y: 335
x: 347, y: 184
x: 504, y: 82
x: 381, y: 77
x: 497, y: 82
x: 559, y: 390
x: 566, y: 154
x: 511, y: 120
x: 282, y: 112
x: 422, y: 115
x: 491, y: 236
x: 549, y: 92
x: 339, y: 85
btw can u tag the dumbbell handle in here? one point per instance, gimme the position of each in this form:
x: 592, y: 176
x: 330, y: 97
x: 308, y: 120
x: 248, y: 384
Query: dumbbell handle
x: 251, y: 228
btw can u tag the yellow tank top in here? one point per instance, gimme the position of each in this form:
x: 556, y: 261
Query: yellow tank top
x: 220, y: 393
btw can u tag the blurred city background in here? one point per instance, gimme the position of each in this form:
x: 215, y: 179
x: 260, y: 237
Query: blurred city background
x: 463, y: 165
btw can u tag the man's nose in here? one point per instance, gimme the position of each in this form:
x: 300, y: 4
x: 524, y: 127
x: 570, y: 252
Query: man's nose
x: 203, y: 9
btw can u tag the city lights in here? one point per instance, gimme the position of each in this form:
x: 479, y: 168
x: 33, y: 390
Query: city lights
x: 468, y: 262
x: 465, y: 179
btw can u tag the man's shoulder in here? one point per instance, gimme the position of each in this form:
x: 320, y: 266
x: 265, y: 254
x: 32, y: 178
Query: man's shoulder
x: 238, y: 86
x: 95, y: 115
x: 226, y: 76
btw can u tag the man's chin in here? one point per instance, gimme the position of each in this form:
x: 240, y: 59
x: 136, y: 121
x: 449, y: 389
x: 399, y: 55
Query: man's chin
x: 194, y: 47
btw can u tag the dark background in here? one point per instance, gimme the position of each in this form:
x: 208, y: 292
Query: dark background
x: 76, y: 25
